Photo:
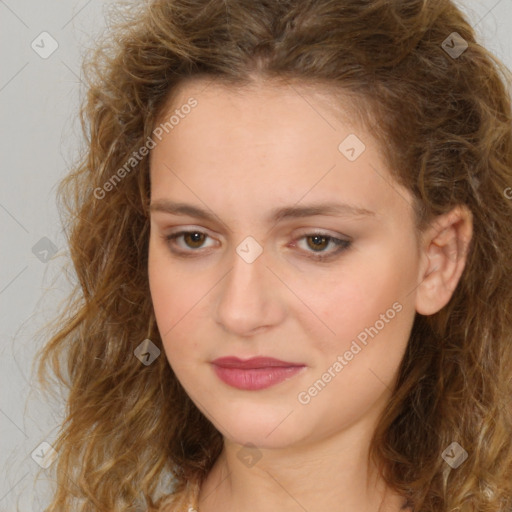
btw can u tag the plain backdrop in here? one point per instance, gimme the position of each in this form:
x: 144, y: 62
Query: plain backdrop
x: 42, y: 43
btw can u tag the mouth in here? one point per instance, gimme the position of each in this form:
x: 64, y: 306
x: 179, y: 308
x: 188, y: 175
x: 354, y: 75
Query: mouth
x: 255, y: 373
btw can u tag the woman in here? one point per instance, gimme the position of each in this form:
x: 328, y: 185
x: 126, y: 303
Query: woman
x: 291, y: 232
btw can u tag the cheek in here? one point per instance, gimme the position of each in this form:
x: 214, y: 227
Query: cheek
x: 352, y: 298
x: 175, y: 298
x: 371, y: 303
x: 166, y: 293
x: 158, y: 283
x: 372, y: 326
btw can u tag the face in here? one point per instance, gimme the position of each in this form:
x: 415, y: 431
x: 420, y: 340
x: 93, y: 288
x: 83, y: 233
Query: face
x: 330, y: 291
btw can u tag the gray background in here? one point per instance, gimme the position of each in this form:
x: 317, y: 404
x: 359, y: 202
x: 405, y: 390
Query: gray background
x: 40, y: 136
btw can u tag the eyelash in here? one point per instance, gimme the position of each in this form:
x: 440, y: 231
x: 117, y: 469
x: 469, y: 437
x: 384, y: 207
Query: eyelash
x: 342, y: 245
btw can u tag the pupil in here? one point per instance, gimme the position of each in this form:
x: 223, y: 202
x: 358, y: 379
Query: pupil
x: 317, y: 239
x: 196, y: 237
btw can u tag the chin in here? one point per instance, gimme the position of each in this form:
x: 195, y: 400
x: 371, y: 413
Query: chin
x: 261, y: 430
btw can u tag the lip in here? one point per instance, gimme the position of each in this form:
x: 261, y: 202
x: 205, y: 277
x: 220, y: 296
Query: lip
x: 253, y: 362
x: 255, y: 373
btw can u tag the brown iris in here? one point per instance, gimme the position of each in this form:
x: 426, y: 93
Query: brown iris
x: 317, y: 237
x: 193, y: 236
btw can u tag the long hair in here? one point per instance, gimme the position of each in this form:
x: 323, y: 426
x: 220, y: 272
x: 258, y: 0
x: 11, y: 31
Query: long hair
x: 439, y: 105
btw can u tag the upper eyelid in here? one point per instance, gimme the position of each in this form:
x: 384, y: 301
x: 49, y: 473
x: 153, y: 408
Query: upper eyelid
x: 340, y: 243
x: 307, y: 231
x: 337, y: 240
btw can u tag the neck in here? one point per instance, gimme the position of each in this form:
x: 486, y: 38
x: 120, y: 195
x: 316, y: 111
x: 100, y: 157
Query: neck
x: 326, y: 475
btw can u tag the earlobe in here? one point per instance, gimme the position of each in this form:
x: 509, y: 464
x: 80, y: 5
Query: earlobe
x: 445, y: 245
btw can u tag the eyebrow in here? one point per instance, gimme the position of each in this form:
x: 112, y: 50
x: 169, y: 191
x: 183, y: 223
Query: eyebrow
x: 275, y: 215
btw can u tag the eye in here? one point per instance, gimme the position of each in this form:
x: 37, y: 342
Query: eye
x: 319, y: 241
x: 194, y: 239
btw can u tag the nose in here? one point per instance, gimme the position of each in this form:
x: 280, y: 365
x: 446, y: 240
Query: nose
x: 249, y: 297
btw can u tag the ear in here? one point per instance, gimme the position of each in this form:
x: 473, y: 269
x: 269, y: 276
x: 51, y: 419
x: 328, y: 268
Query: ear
x: 445, y: 244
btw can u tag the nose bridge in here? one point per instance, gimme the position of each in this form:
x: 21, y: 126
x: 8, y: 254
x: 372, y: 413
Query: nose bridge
x: 246, y: 296
x: 244, y: 282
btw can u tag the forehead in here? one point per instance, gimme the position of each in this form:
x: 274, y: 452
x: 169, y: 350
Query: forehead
x: 270, y: 120
x: 320, y: 103
x: 266, y: 142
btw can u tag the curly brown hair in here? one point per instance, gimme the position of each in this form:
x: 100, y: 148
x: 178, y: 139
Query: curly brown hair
x: 444, y: 123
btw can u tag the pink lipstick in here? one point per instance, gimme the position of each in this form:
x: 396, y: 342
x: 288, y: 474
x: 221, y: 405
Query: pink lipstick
x: 255, y: 373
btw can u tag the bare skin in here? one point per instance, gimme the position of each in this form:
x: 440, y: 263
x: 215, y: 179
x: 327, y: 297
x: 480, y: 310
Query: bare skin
x: 239, y: 155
